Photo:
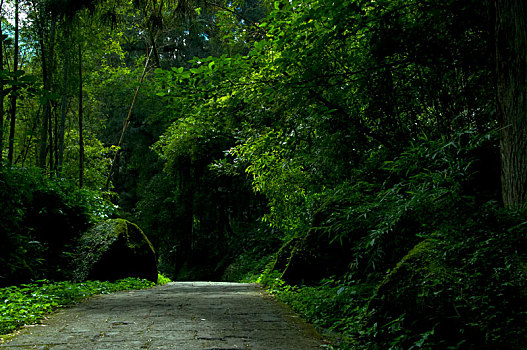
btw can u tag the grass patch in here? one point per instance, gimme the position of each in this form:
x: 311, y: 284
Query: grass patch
x: 29, y: 303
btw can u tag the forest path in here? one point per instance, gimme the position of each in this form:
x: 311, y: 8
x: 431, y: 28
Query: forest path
x: 180, y: 315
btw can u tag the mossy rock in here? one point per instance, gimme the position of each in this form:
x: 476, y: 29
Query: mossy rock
x: 423, y: 288
x: 115, y: 249
x: 416, y: 284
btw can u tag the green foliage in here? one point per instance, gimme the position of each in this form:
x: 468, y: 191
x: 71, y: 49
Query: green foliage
x: 252, y: 250
x: 491, y: 251
x: 369, y: 123
x: 470, y: 305
x: 280, y: 177
x: 462, y: 289
x: 41, y: 218
x: 362, y: 125
x: 96, y: 165
x: 436, y: 189
x: 306, y: 107
x: 161, y: 279
x: 337, y: 307
x: 29, y: 303
x: 391, y: 204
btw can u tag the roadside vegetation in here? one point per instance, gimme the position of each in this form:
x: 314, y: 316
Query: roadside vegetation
x: 28, y: 304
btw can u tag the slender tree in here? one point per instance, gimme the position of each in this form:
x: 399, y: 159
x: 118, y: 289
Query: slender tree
x: 63, y: 105
x: 511, y: 66
x: 47, y: 52
x: 14, y: 89
x: 2, y: 94
x: 127, y: 120
x: 81, y: 136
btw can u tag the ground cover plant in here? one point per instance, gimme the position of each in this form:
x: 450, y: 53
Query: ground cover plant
x: 29, y: 303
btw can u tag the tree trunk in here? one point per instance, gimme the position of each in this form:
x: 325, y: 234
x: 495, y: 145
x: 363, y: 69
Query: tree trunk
x: 155, y: 52
x: 11, y: 150
x: 1, y: 91
x: 81, y: 137
x: 184, y: 232
x: 50, y: 138
x: 27, y: 147
x: 63, y: 108
x: 47, y: 57
x: 43, y: 142
x: 511, y: 69
x: 55, y: 138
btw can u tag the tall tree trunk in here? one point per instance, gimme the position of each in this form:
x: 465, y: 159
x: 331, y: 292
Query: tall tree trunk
x: 14, y: 90
x: 56, y: 141
x: 43, y: 142
x: 27, y: 146
x: 155, y: 52
x: 63, y: 108
x: 81, y: 136
x: 50, y: 137
x: 1, y: 91
x: 511, y: 68
x: 184, y: 231
x: 47, y: 58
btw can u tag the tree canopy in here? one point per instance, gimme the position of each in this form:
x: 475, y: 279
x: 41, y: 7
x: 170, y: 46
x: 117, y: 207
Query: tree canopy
x: 363, y: 159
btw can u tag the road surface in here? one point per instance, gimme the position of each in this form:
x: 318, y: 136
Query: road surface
x: 180, y: 315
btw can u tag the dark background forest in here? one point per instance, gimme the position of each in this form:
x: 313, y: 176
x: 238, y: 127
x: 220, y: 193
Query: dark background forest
x: 363, y: 159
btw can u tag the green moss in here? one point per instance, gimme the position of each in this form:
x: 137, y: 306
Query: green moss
x: 135, y: 242
x: 421, y: 262
x: 417, y: 297
x: 108, y: 241
x: 416, y: 283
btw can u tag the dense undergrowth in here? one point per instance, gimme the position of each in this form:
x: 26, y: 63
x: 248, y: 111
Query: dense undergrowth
x: 29, y: 303
x: 41, y: 219
x: 425, y: 257
x: 471, y: 295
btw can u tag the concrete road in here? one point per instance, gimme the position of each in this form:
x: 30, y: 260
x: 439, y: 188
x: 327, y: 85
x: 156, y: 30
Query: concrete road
x: 181, y: 315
